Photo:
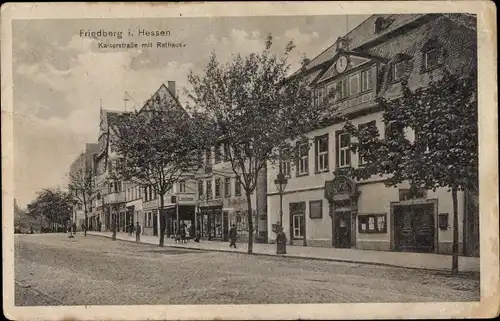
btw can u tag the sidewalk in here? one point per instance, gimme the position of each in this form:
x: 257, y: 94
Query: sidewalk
x: 399, y: 259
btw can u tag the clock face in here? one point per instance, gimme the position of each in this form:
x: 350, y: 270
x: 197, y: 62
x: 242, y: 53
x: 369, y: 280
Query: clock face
x: 341, y: 65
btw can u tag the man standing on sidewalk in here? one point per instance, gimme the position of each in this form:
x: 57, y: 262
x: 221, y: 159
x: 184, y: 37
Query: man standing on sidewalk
x: 232, y: 236
x: 137, y: 233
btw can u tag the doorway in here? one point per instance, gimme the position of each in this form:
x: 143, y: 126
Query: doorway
x: 343, y: 229
x: 414, y: 227
x: 155, y: 223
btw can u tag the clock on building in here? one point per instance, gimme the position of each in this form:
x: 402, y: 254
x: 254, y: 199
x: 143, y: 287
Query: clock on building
x: 341, y: 64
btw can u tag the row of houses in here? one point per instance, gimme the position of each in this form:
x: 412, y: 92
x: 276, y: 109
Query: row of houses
x: 320, y: 209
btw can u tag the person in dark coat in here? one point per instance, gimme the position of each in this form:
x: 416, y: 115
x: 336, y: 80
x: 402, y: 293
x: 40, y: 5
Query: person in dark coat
x: 182, y: 233
x: 232, y: 236
x: 137, y: 233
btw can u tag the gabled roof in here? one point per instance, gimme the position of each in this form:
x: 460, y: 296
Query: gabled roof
x: 164, y: 92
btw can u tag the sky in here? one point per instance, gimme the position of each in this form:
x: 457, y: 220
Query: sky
x: 61, y: 75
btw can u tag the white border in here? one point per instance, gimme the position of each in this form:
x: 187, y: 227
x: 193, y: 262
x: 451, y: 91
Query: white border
x: 488, y: 124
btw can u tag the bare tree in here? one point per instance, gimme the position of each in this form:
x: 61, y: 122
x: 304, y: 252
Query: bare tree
x: 82, y: 188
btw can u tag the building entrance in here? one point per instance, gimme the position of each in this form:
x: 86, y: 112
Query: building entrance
x: 343, y: 229
x: 414, y: 228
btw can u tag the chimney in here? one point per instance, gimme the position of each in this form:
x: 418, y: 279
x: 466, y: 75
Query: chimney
x: 171, y: 88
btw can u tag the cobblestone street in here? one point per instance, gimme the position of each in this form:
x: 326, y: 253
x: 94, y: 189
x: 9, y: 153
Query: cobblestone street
x: 51, y: 269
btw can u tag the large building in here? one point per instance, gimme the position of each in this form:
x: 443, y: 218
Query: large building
x: 82, y: 164
x: 222, y: 202
x: 371, y: 61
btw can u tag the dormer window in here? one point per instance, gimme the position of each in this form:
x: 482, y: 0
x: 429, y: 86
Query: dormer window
x: 431, y: 55
x: 398, y: 71
x: 381, y: 23
x: 430, y: 59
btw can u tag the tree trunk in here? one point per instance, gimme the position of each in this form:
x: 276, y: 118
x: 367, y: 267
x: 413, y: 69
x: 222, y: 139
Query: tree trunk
x: 85, y: 224
x: 454, y: 262
x: 250, y: 223
x: 113, y: 223
x: 162, y: 221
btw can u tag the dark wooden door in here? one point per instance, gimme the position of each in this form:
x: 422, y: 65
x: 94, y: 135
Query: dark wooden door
x: 414, y: 228
x: 155, y: 224
x: 343, y: 229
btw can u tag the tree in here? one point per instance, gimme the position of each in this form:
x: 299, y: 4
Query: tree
x: 55, y: 206
x: 258, y: 109
x: 444, y: 152
x: 159, y: 145
x: 82, y: 188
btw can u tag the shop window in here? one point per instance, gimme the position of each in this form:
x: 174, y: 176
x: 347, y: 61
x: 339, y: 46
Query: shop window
x: 372, y: 223
x: 316, y: 209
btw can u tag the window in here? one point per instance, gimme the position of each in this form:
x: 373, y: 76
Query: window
x: 226, y: 152
x: 237, y: 187
x: 150, y: 193
x: 354, y: 84
x: 209, y: 189
x: 366, y: 80
x: 411, y: 193
x: 321, y: 146
x: 372, y: 223
x: 150, y: 219
x: 217, y: 155
x: 200, y: 188
x: 217, y: 188
x: 341, y: 89
x: 316, y: 209
x: 303, y: 166
x: 398, y: 70
x: 362, y: 160
x: 227, y: 187
x: 145, y: 193
x: 430, y: 58
x: 182, y: 187
x: 208, y: 157
x: 343, y: 153
x: 320, y: 95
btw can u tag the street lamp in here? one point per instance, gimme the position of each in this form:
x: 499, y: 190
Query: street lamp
x: 280, y: 183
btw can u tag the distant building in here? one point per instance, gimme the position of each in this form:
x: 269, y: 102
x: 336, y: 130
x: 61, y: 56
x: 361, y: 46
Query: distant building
x: 83, y: 162
x: 371, y: 61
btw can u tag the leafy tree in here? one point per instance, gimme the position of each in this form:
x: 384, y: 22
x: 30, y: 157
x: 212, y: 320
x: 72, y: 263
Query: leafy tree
x: 82, y: 188
x: 55, y: 206
x: 444, y: 151
x: 159, y: 145
x: 259, y: 111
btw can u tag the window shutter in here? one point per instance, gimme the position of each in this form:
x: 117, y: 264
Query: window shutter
x: 297, y: 159
x: 337, y: 144
x: 316, y: 150
x: 348, y: 154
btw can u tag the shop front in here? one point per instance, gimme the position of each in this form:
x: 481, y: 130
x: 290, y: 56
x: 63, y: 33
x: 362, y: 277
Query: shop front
x: 235, y: 211
x: 209, y: 219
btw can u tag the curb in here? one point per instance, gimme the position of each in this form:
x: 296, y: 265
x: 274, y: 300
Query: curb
x: 291, y: 256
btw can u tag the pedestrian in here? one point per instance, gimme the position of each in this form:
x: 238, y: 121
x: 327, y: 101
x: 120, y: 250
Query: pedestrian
x: 130, y: 229
x: 137, y: 233
x: 74, y: 228
x: 197, y: 236
x: 232, y: 236
x: 182, y: 233
x: 31, y: 230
